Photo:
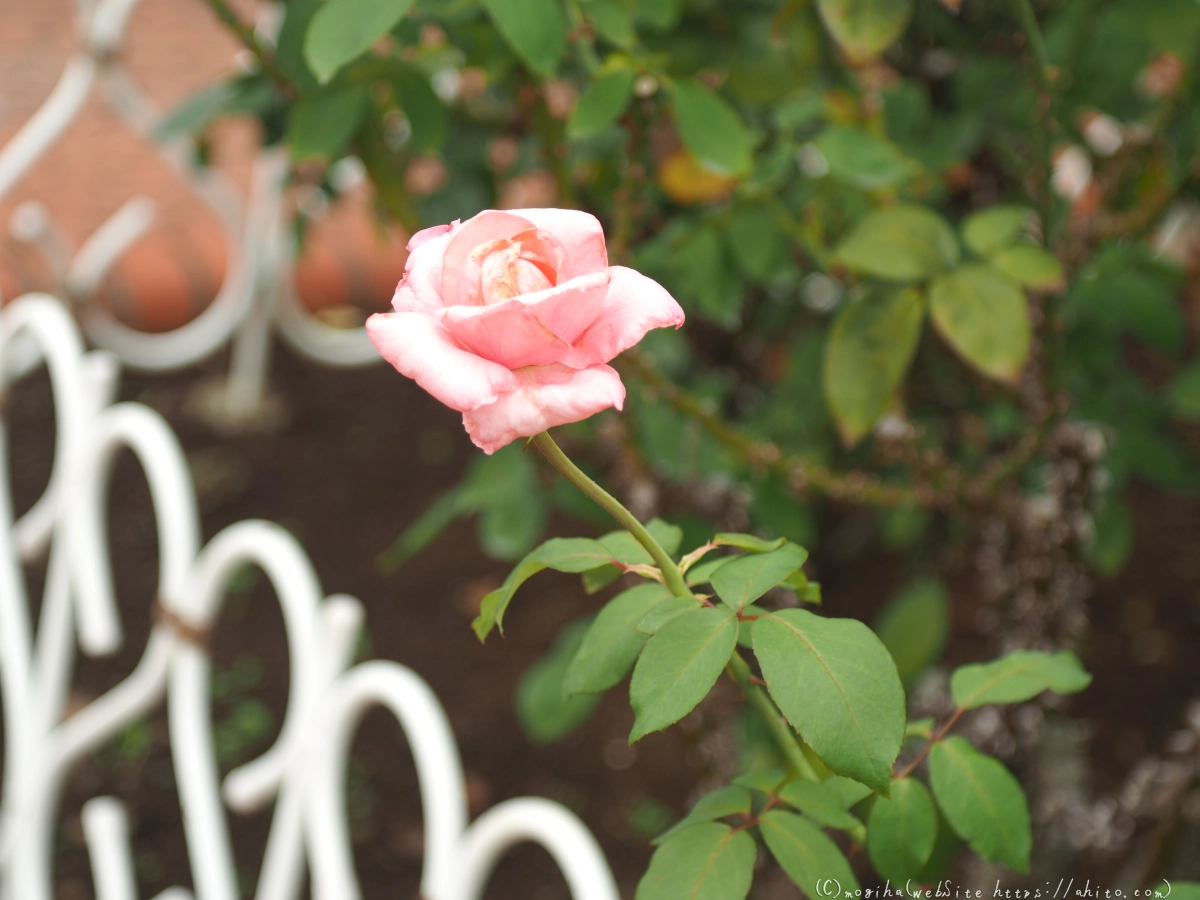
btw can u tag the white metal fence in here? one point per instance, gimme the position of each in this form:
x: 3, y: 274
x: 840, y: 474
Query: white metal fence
x: 257, y: 294
x: 304, y: 769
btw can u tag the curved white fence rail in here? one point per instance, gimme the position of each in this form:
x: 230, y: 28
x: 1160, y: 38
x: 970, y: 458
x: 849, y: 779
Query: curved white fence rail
x: 304, y: 768
x: 257, y: 293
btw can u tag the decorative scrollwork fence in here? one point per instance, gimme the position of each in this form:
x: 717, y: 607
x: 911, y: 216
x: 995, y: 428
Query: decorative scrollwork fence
x: 303, y: 770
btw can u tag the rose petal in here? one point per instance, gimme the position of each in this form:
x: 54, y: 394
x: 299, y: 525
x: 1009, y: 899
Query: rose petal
x: 489, y: 225
x: 421, y: 348
x: 428, y: 234
x: 552, y: 395
x: 420, y: 290
x: 532, y: 329
x: 634, y: 305
x: 581, y: 235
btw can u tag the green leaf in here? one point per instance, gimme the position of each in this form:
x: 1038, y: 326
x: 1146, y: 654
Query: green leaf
x: 612, y: 21
x: 805, y: 852
x: 665, y: 611
x: 864, y: 28
x: 679, y: 666
x: 613, y: 642
x: 322, y: 124
x: 1111, y: 541
x: 712, y: 129
x: 837, y: 685
x: 709, y: 861
x: 754, y: 238
x: 991, y: 230
x: 289, y: 44
x: 702, y: 572
x: 768, y: 781
x: 982, y: 801
x: 426, y: 114
x: 428, y: 525
x: 914, y: 626
x: 543, y: 710
x: 820, y: 802
x: 983, y: 315
x: 1183, y: 395
x: 743, y: 580
x: 1177, y: 890
x: 1016, y: 677
x: 601, y: 104
x: 342, y: 30
x: 901, y: 831
x: 1030, y: 266
x: 249, y: 95
x: 749, y: 542
x: 535, y: 29
x: 860, y: 159
x: 868, y: 351
x: 572, y: 555
x: 903, y: 243
x: 847, y: 789
x: 598, y: 579
x: 628, y: 551
x: 728, y: 801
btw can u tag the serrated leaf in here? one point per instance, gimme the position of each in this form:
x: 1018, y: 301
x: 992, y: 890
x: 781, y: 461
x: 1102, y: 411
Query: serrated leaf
x: 342, y: 30
x: 865, y: 28
x: 746, y: 578
x: 728, y: 801
x: 1018, y: 676
x: 805, y: 852
x: 749, y: 542
x: 1031, y: 266
x: 866, y: 355
x: 862, y: 160
x: 573, y: 555
x: 902, y: 831
x: 819, y: 802
x: 712, y: 129
x: 678, y: 667
x: 601, y: 104
x: 613, y: 643
x: 991, y: 230
x: 983, y: 315
x: 544, y: 712
x: 665, y: 611
x: 982, y: 801
x: 837, y: 685
x: 914, y: 626
x: 322, y: 124
x: 709, y: 861
x: 903, y: 243
x: 536, y: 30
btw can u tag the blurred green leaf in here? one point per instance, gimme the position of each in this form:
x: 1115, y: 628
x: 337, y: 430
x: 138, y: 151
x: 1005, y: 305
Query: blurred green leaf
x: 1030, y: 266
x: 865, y: 28
x: 820, y: 802
x: 709, y: 861
x: 984, y: 316
x: 601, y: 104
x: 1017, y: 677
x: 1184, y: 393
x: 1111, y: 540
x: 712, y: 129
x: 991, y: 230
x: 869, y: 349
x: 914, y: 626
x: 426, y: 114
x: 727, y: 801
x: 612, y: 21
x: 545, y: 711
x: 902, y: 831
x: 535, y: 29
x: 902, y: 243
x: 805, y: 852
x: 249, y: 95
x: 860, y: 159
x: 322, y: 124
x: 342, y: 30
x: 755, y: 241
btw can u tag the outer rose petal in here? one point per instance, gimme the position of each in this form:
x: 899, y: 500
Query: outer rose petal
x: 581, y: 235
x: 552, y: 395
x: 489, y: 225
x: 420, y: 290
x: 420, y: 347
x: 635, y: 304
x: 532, y: 329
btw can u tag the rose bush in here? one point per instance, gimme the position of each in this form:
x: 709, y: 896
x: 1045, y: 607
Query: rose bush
x: 511, y: 317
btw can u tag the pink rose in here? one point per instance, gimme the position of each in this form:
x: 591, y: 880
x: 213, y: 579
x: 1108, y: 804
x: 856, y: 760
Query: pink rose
x: 510, y: 318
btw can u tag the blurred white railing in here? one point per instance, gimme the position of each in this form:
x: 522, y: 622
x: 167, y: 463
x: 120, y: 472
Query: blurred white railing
x: 257, y: 294
x: 304, y: 768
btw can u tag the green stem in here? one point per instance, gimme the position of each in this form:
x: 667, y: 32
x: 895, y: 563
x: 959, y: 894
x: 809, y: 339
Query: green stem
x: 611, y: 505
x: 246, y: 35
x: 780, y: 730
x: 1037, y: 44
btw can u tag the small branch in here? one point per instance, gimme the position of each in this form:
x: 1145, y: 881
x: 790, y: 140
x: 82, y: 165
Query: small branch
x: 780, y: 730
x: 941, y: 733
x: 1037, y: 44
x: 245, y: 34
